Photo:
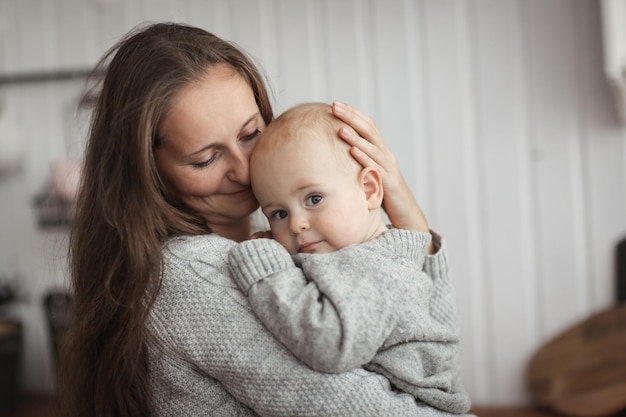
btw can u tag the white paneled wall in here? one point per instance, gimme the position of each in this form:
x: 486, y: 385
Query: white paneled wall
x: 497, y: 110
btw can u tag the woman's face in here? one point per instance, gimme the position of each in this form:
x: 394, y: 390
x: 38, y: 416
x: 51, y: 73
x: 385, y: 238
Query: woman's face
x: 208, y: 137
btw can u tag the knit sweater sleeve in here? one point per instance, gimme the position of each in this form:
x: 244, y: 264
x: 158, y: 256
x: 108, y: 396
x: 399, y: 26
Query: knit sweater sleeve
x: 443, y: 303
x: 333, y: 311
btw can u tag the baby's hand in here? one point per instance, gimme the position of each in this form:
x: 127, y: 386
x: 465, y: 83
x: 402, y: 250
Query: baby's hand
x: 262, y: 235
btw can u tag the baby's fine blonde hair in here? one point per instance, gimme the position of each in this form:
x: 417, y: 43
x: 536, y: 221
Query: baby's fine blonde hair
x: 311, y: 119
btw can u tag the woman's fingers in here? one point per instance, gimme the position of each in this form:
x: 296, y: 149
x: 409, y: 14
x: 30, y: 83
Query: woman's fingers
x: 360, y: 122
x: 365, y: 135
x: 362, y: 158
x: 371, y: 152
x: 367, y: 138
x: 262, y: 235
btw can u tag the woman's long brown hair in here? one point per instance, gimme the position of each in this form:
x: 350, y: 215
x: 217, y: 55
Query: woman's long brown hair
x: 124, y: 214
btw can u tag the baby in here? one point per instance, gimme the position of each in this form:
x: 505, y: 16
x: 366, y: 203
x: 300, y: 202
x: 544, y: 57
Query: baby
x: 316, y: 197
x: 338, y: 287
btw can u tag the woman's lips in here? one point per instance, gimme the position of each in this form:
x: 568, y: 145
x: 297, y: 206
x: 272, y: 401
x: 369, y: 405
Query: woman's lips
x: 245, y: 191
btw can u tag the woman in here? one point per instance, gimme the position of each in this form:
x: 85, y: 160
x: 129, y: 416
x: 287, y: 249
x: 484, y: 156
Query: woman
x: 159, y: 326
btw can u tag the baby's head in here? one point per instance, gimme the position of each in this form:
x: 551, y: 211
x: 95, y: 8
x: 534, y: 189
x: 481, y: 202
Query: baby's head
x: 316, y: 197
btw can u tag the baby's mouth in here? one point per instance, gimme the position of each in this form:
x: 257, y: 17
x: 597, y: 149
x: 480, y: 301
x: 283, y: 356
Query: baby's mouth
x: 308, y: 247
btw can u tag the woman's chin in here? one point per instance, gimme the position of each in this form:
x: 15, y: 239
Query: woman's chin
x: 245, y: 207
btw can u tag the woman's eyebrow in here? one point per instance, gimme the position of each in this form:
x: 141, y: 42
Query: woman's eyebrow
x: 251, y: 119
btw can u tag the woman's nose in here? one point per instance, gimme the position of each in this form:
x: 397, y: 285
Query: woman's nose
x: 239, y: 170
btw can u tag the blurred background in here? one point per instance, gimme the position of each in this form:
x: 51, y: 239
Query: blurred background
x: 502, y: 113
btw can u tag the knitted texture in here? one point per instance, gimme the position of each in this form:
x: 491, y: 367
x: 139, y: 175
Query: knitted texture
x: 211, y: 356
x: 368, y: 305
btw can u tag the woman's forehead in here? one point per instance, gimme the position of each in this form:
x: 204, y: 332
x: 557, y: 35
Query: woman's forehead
x: 213, y: 109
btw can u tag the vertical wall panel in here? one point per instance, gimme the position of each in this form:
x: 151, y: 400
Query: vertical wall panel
x: 51, y: 56
x: 71, y: 49
x: 3, y: 29
x: 470, y: 283
x: 510, y: 298
x: 267, y: 53
x: 318, y: 43
x: 297, y: 64
x: 444, y: 112
x: 9, y: 61
x: 365, y: 59
x: 604, y: 166
x: 391, y: 81
x: 131, y: 13
x: 416, y: 126
x: 554, y: 98
x: 92, y: 42
x: 447, y: 94
x: 200, y: 13
x: 161, y: 10
x: 30, y: 51
x: 246, y: 26
x: 349, y: 58
x: 222, y: 18
x: 112, y: 22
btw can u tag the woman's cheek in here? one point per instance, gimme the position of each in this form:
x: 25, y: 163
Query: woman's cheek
x: 202, y: 183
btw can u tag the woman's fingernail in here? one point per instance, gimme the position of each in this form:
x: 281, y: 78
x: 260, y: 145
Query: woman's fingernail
x: 345, y: 132
x: 340, y: 108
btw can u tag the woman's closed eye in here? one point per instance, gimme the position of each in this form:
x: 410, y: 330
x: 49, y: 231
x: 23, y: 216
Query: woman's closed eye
x: 247, y: 138
x: 314, y: 199
x: 204, y: 164
x: 252, y: 135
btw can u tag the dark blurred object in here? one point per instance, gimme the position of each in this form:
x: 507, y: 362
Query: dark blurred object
x: 58, y: 307
x: 621, y: 271
x: 56, y: 203
x: 10, y: 352
x: 7, y: 294
x: 53, y: 210
x: 10, y: 347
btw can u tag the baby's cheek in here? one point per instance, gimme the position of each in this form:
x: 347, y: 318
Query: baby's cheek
x: 282, y: 238
x: 341, y: 237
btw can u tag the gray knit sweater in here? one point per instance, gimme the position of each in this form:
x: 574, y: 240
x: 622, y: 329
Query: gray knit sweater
x: 210, y: 356
x: 368, y: 305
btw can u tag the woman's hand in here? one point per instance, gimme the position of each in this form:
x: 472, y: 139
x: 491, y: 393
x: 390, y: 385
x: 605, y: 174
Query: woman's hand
x: 267, y: 234
x: 370, y: 150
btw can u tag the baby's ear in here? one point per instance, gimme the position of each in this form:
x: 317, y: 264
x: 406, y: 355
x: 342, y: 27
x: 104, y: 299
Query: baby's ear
x: 372, y: 184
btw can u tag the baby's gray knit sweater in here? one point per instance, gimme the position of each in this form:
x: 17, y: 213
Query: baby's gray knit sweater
x: 210, y: 356
x: 368, y: 305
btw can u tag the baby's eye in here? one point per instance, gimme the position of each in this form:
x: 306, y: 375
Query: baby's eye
x: 279, y: 214
x: 313, y: 200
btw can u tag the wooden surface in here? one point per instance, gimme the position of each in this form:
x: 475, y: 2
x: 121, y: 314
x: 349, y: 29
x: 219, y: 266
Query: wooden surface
x: 582, y: 372
x: 510, y: 412
x: 44, y: 407
x: 520, y: 412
